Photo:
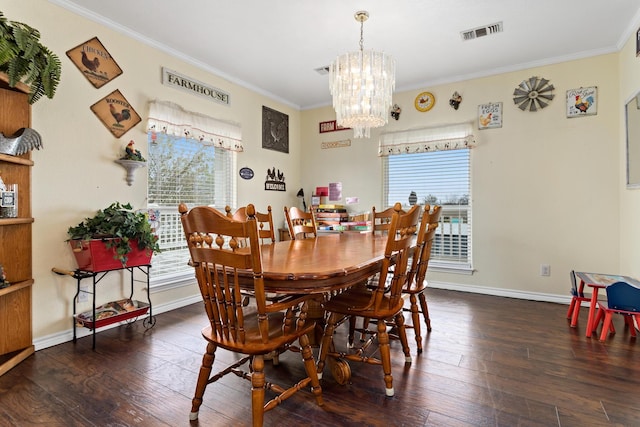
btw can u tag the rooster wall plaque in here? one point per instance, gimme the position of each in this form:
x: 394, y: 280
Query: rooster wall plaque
x: 533, y: 93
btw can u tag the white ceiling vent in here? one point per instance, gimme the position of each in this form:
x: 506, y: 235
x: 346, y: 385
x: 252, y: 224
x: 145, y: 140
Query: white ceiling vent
x: 323, y: 70
x: 482, y: 31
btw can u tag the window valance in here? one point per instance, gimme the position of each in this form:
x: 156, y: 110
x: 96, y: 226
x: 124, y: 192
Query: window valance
x: 171, y: 119
x: 437, y: 138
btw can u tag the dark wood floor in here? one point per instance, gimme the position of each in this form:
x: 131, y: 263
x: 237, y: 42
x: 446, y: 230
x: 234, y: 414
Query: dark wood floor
x: 489, y: 361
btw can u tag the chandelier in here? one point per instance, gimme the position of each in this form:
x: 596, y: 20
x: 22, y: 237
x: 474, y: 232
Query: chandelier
x: 362, y: 84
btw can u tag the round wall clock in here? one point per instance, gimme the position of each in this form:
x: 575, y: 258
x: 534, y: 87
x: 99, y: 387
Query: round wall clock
x: 425, y: 101
x: 533, y: 93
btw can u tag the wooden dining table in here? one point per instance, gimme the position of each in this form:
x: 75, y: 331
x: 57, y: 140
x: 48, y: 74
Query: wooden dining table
x: 322, y: 264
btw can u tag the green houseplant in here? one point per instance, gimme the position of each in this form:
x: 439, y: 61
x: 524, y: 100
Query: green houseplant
x: 118, y: 225
x: 24, y: 59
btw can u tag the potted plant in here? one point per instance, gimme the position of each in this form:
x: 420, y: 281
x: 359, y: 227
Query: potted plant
x: 125, y: 235
x: 24, y: 59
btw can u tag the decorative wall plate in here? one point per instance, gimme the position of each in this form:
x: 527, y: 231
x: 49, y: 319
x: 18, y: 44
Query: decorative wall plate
x: 425, y: 101
x: 534, y: 93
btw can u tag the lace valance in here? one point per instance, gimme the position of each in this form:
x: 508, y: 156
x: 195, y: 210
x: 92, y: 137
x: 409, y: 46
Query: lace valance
x: 438, y: 138
x: 171, y: 119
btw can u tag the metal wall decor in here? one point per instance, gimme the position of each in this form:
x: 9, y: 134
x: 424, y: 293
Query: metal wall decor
x: 115, y: 112
x: 533, y: 93
x: 275, y: 180
x: 95, y: 63
x: 275, y: 130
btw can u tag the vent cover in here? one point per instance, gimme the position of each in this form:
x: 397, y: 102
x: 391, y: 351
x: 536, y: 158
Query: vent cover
x: 323, y: 70
x: 482, y: 31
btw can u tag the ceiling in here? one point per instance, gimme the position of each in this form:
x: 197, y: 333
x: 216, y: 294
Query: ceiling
x: 274, y: 47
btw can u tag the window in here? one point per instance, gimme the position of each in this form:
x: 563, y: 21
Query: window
x: 436, y: 166
x: 185, y: 171
x: 192, y: 159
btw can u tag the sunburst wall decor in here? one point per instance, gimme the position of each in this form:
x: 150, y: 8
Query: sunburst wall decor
x: 534, y: 93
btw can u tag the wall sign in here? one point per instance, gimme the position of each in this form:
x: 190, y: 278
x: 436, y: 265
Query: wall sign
x: 115, y: 112
x: 275, y: 180
x: 335, y: 144
x: 330, y: 126
x: 490, y: 115
x: 275, y: 130
x: 181, y: 82
x: 95, y: 63
x: 582, y: 102
x: 246, y: 173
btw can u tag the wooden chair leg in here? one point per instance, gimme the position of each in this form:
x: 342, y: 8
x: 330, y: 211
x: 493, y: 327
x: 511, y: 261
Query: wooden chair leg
x: 425, y: 310
x: 257, y: 390
x: 203, y: 380
x: 402, y: 334
x: 385, y: 356
x: 310, y: 367
x: 628, y: 320
x: 415, y: 319
x: 327, y: 339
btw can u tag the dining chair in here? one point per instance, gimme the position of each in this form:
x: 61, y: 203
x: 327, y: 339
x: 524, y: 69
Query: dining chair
x: 380, y: 304
x: 252, y: 331
x: 416, y: 278
x: 577, y: 298
x: 301, y: 224
x: 622, y: 298
x: 266, y: 232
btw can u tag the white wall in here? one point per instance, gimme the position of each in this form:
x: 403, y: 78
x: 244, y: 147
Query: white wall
x: 545, y: 188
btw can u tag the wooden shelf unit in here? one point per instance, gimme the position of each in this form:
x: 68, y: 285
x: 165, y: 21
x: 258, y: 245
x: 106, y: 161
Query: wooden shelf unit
x: 16, y: 341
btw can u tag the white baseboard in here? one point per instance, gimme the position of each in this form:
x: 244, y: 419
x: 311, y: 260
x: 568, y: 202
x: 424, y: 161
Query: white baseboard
x: 66, y: 336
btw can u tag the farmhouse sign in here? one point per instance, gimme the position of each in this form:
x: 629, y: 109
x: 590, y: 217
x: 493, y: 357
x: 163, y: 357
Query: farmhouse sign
x: 195, y: 87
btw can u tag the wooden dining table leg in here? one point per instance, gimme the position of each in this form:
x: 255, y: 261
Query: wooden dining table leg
x: 592, y: 312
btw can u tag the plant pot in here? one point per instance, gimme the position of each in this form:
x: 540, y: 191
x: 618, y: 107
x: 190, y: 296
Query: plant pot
x: 93, y: 255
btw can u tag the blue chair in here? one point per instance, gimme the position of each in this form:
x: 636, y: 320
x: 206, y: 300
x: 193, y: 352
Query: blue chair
x: 622, y: 298
x: 577, y: 298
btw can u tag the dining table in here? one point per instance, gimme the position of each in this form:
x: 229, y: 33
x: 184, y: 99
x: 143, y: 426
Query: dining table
x: 597, y: 281
x: 323, y: 264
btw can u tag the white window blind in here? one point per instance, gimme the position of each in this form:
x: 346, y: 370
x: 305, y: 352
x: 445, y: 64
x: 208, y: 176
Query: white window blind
x: 186, y: 167
x: 439, y: 174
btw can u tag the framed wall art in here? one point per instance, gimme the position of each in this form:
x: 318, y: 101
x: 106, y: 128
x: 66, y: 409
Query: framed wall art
x: 490, y: 115
x: 115, y: 112
x: 638, y: 42
x: 275, y: 130
x: 95, y: 63
x: 582, y: 102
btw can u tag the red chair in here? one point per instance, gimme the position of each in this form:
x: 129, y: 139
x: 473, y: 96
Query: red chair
x: 577, y: 298
x: 622, y: 298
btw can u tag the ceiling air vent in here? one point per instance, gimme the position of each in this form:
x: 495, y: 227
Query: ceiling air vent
x: 323, y: 70
x: 482, y: 31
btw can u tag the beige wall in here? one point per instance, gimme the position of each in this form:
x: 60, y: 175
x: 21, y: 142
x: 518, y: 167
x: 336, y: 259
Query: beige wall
x: 629, y: 199
x: 75, y: 174
x: 546, y: 189
x: 540, y: 184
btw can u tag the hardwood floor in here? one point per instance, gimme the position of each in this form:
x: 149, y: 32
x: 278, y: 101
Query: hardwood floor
x: 489, y: 361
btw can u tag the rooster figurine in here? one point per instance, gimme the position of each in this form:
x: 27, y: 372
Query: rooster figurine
x: 24, y: 140
x: 132, y: 154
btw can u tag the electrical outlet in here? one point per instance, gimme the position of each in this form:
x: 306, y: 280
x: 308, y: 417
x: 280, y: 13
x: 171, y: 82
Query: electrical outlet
x: 83, y: 296
x: 545, y: 270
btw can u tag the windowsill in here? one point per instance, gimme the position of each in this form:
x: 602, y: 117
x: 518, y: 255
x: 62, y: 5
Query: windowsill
x: 168, y: 282
x: 447, y: 268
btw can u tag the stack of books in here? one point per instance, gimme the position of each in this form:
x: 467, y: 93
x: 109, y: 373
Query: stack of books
x: 331, y: 217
